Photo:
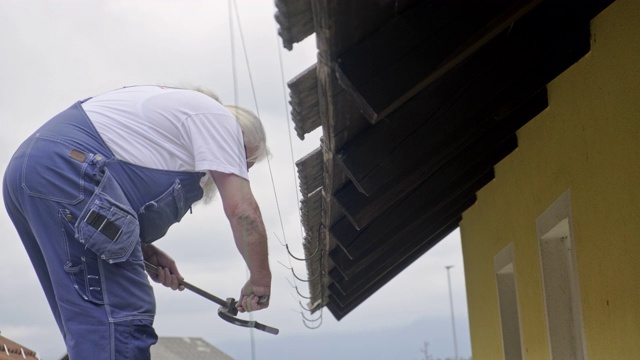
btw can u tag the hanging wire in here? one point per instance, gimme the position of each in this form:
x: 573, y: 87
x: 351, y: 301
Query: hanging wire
x: 232, y: 3
x: 286, y: 245
x: 295, y: 257
x: 311, y: 320
x: 302, y: 306
x: 234, y: 72
x: 297, y: 277
x: 298, y: 291
x: 255, y: 102
x: 304, y: 321
x: 307, y: 258
x: 295, y: 286
x: 306, y: 318
x: 268, y: 161
x: 288, y: 120
x: 312, y: 327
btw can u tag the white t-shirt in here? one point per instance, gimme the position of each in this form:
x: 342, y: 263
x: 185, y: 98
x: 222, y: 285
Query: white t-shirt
x: 169, y: 129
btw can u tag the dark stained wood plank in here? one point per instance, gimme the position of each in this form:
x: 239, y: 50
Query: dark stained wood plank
x: 466, y: 174
x: 357, y: 294
x: 373, y: 247
x: 403, y: 34
x: 295, y: 18
x: 419, y: 128
x: 335, y: 275
x: 303, y: 94
x: 341, y: 24
x: 426, y: 199
x: 310, y: 172
x: 362, y: 209
x: 413, y: 50
x: 338, y: 313
x: 463, y: 178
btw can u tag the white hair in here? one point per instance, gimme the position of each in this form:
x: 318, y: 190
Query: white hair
x: 252, y: 132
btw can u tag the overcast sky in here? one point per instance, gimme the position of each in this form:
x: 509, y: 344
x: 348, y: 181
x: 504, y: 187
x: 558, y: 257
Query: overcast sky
x: 53, y: 53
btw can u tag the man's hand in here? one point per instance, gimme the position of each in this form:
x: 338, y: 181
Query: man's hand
x: 250, y: 295
x: 168, y: 274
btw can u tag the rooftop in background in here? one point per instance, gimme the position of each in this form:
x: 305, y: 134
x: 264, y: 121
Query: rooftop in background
x: 12, y: 350
x: 183, y: 348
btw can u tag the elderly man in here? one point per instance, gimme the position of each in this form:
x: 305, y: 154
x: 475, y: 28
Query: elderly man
x: 93, y: 187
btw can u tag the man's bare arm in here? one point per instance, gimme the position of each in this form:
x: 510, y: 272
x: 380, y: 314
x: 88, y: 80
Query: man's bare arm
x: 250, y: 237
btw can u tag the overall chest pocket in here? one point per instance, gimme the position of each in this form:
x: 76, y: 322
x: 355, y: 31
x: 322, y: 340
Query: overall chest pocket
x: 108, y: 226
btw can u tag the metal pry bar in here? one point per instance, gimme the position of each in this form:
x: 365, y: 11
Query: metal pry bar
x: 227, y: 310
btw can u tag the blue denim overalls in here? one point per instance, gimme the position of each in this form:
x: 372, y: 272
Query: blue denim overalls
x: 82, y: 215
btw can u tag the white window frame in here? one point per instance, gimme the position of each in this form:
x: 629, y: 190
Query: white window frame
x: 507, y: 288
x: 561, y: 289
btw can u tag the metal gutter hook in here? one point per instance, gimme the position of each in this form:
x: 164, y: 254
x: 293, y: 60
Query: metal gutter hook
x: 227, y: 310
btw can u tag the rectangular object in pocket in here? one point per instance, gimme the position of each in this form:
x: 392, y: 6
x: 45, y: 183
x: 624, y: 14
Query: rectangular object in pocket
x: 108, y: 226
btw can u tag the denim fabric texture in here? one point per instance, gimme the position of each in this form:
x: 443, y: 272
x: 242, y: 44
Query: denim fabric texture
x: 82, y: 216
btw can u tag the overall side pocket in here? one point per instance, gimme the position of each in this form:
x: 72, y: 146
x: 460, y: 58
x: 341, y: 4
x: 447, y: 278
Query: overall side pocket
x: 157, y: 216
x: 81, y: 264
x: 107, y: 225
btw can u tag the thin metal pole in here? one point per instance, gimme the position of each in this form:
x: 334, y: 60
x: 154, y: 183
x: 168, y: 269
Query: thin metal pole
x: 453, y: 321
x: 425, y: 350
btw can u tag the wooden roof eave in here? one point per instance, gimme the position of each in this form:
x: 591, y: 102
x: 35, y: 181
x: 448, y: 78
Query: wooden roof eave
x: 295, y: 20
x: 366, y: 173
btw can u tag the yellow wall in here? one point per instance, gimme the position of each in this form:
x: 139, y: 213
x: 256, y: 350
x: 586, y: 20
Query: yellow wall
x: 587, y: 142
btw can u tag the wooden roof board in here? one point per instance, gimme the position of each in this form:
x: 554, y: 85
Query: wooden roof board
x: 429, y: 196
x: 341, y: 307
x: 303, y: 94
x: 468, y: 99
x: 310, y: 172
x: 295, y: 20
x: 375, y: 245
